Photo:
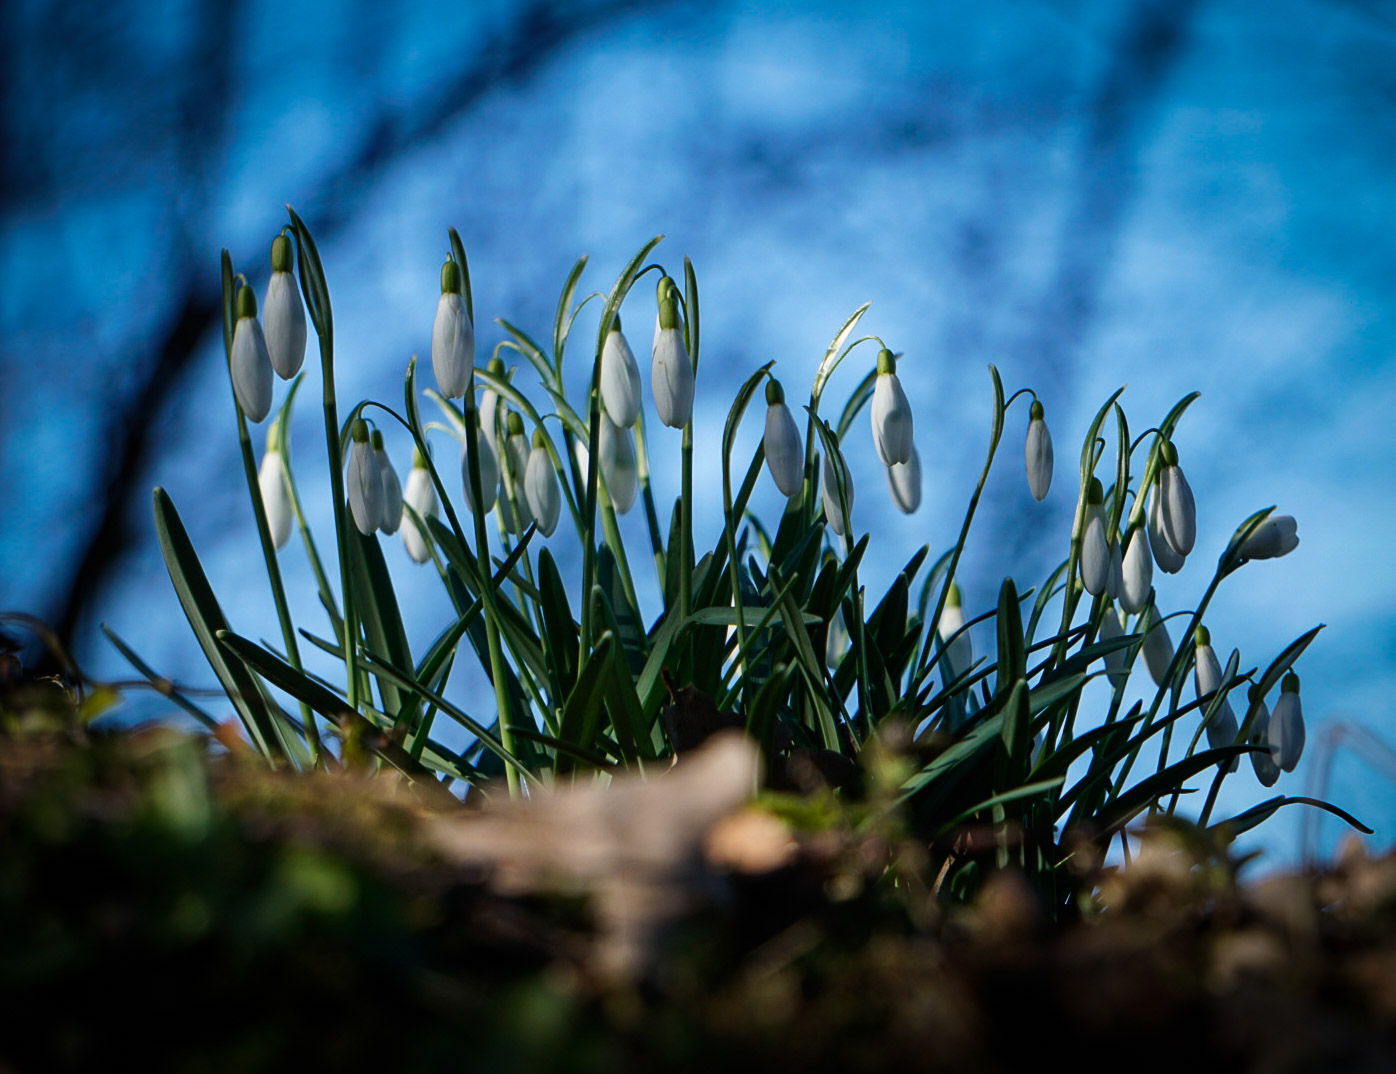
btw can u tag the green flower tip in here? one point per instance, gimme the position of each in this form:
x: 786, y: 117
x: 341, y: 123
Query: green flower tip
x: 359, y: 431
x: 540, y: 439
x: 419, y: 461
x: 667, y: 294
x: 514, y: 424
x: 281, y: 254
x: 274, y: 435
x: 1035, y: 412
x: 1290, y: 685
x: 615, y: 322
x: 952, y: 599
x: 1202, y: 636
x: 775, y: 394
x: 247, y: 302
x: 1168, y: 453
x: 450, y: 278
x: 1095, y: 492
x: 376, y: 440
x: 886, y: 361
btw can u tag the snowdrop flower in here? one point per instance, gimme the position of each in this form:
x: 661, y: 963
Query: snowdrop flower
x: 958, y: 654
x: 1110, y: 629
x: 365, y: 481
x: 1158, y: 646
x: 1223, y: 727
x: 1167, y: 558
x: 452, y: 336
x: 1263, y: 761
x: 276, y: 498
x: 833, y: 512
x: 391, y: 516
x: 671, y: 371
x: 620, y: 378
x: 891, y: 413
x: 420, y: 495
x: 904, y: 483
x: 513, y: 456
x: 1115, y: 584
x: 1276, y: 536
x: 1039, y: 453
x: 583, y: 458
x: 540, y: 485
x: 836, y: 642
x: 616, y: 447
x: 1096, y: 567
x: 251, y: 366
x: 1286, y: 731
x: 489, y: 473
x: 489, y: 406
x: 785, y: 455
x: 1137, y: 573
x: 284, y: 313
x: 1178, y: 509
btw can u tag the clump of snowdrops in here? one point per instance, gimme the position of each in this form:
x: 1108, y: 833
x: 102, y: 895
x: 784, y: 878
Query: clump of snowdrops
x: 768, y: 628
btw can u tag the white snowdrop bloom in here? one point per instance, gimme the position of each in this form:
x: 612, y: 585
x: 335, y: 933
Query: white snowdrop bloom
x: 251, y: 365
x: 583, y: 457
x: 1167, y: 558
x: 891, y: 413
x: 489, y: 407
x: 785, y: 454
x: 452, y: 336
x: 833, y: 512
x: 1223, y: 727
x: 391, y: 516
x: 671, y: 371
x: 489, y: 473
x: 1110, y: 629
x: 616, y: 448
x: 904, y: 483
x: 1039, y: 453
x: 1137, y: 573
x: 283, y: 313
x: 1158, y: 647
x: 1276, y: 536
x: 620, y: 378
x: 1095, y: 543
x: 959, y: 654
x: 540, y: 485
x: 365, y: 482
x: 836, y: 642
x: 514, y: 510
x: 1263, y: 761
x: 420, y: 495
x: 276, y: 497
x: 1286, y: 731
x: 1178, y: 510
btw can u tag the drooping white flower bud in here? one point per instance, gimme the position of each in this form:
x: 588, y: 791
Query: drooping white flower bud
x: 1039, y: 453
x: 489, y: 406
x: 671, y: 371
x: 514, y: 512
x: 1263, y: 761
x: 365, y: 482
x: 1158, y: 647
x: 1110, y: 629
x: 891, y: 413
x: 420, y: 495
x: 1276, y: 536
x: 276, y: 497
x: 959, y: 654
x: 836, y: 641
x: 833, y: 512
x: 540, y: 484
x: 1223, y: 727
x: 283, y: 313
x: 785, y: 454
x: 489, y: 474
x: 1286, y: 732
x: 1165, y: 555
x: 620, y: 378
x: 616, y: 447
x: 391, y: 516
x: 1178, y: 510
x: 1095, y: 543
x: 452, y: 336
x: 251, y: 366
x: 1137, y: 573
x: 904, y: 483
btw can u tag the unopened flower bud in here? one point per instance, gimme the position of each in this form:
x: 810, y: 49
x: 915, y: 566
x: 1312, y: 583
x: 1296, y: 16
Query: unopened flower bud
x: 891, y: 413
x: 671, y: 370
x: 251, y: 366
x: 365, y: 481
x: 785, y: 454
x: 620, y: 378
x: 452, y: 336
x: 1039, y: 453
x: 540, y: 484
x: 283, y: 313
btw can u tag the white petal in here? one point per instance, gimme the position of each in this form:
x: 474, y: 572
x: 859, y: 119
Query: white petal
x: 620, y: 379
x: 391, y: 516
x: 836, y: 641
x: 452, y: 345
x: 1158, y: 650
x: 251, y: 369
x: 489, y: 473
x: 904, y: 483
x: 671, y: 377
x: 1223, y: 727
x: 1286, y: 733
x: 489, y: 407
x: 1137, y: 573
x: 420, y: 495
x: 1266, y: 770
x: 785, y: 455
x: 891, y: 420
x: 1110, y: 629
x: 276, y: 500
x: 1039, y: 459
x: 540, y: 483
x: 365, y: 489
x: 1165, y: 555
x: 1179, y: 510
x: 284, y: 317
x: 1222, y: 730
x: 1276, y: 536
x: 1116, y: 580
x: 515, y: 456
x: 1095, y: 552
x: 617, y: 450
x: 830, y: 493
x: 959, y: 655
